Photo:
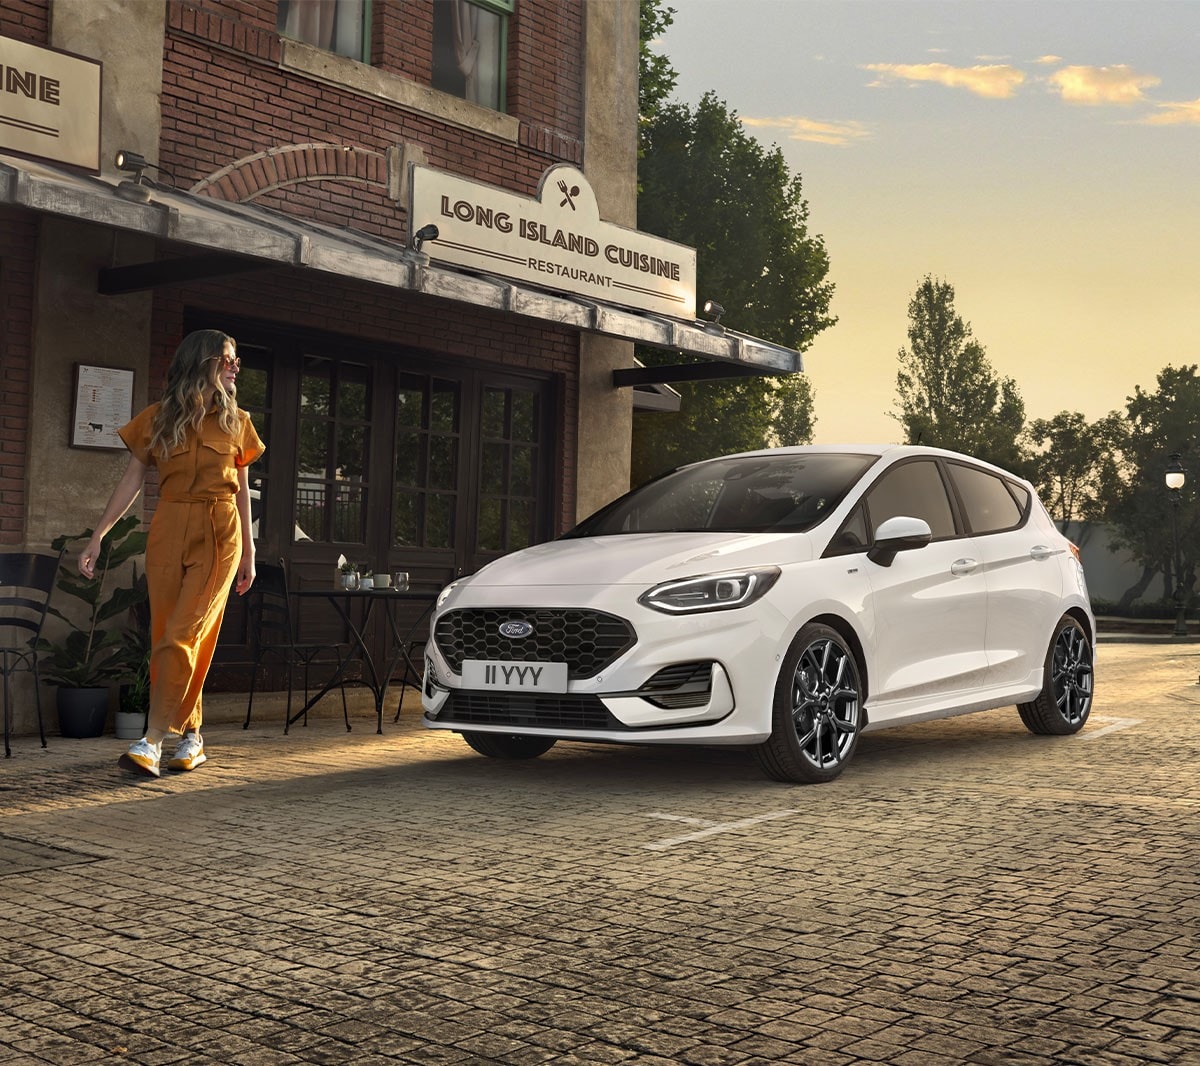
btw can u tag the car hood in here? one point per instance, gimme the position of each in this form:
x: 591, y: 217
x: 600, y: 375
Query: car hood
x: 640, y: 558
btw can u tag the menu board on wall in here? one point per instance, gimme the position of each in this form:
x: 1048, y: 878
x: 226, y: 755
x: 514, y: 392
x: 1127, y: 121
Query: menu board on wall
x: 103, y: 404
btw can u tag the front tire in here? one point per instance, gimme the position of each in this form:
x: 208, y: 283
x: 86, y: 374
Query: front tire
x: 1063, y: 705
x: 817, y: 710
x: 509, y: 745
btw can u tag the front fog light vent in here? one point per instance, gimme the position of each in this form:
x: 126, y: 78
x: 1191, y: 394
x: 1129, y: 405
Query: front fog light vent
x: 679, y: 686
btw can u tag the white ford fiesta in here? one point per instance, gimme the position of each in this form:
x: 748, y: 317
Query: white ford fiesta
x: 786, y: 600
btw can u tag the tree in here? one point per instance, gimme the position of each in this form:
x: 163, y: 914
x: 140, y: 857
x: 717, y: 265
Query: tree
x: 1140, y: 506
x: 656, y: 76
x: 949, y: 395
x: 1075, y: 462
x: 707, y: 184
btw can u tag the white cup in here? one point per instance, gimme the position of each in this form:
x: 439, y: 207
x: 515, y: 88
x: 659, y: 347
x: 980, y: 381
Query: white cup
x: 383, y: 581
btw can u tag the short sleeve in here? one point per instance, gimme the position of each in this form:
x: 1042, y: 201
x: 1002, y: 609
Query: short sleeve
x: 250, y: 447
x: 136, y: 434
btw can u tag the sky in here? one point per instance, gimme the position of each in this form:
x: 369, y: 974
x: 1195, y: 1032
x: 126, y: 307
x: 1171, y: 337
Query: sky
x: 1042, y: 156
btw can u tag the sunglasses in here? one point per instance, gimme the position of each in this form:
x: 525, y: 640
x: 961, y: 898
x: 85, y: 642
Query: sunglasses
x: 228, y: 362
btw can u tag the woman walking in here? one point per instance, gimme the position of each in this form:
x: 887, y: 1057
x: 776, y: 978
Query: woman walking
x: 199, y: 538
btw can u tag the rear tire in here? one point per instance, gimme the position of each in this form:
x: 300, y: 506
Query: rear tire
x: 1063, y: 705
x: 509, y: 745
x: 817, y: 711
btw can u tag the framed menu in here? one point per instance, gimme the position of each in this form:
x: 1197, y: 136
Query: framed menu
x: 103, y: 404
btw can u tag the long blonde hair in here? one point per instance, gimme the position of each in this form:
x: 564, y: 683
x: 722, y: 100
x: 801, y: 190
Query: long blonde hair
x: 189, y: 377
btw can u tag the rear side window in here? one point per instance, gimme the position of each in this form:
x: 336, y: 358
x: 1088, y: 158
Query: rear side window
x: 987, y: 499
x: 914, y: 489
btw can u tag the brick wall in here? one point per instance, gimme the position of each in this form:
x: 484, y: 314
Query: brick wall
x: 26, y: 20
x: 224, y: 99
x: 18, y: 242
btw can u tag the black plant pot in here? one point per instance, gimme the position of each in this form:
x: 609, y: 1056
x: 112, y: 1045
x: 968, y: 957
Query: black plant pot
x: 82, y: 712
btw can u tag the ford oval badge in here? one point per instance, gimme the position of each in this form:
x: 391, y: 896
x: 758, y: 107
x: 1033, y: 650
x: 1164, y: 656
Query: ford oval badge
x: 515, y: 630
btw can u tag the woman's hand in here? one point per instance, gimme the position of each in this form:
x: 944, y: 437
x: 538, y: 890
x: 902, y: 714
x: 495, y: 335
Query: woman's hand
x: 88, y: 557
x: 245, y: 575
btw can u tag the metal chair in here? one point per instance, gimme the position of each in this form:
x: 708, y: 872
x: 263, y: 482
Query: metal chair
x: 27, y: 582
x: 274, y: 634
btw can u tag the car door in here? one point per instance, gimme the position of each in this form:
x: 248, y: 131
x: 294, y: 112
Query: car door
x: 928, y: 609
x: 1021, y: 568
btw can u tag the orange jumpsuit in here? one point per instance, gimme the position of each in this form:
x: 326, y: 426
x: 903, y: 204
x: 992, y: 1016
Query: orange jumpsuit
x: 192, y: 557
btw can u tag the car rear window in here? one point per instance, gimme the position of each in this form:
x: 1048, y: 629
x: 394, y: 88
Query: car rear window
x: 784, y: 493
x: 987, y: 499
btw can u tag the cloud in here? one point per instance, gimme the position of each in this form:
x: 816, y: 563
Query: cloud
x: 1097, y: 86
x: 797, y: 128
x: 1175, y: 114
x: 995, y: 81
x: 1048, y: 61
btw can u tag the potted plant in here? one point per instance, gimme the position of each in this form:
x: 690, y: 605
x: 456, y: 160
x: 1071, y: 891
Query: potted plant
x: 90, y: 656
x: 349, y: 572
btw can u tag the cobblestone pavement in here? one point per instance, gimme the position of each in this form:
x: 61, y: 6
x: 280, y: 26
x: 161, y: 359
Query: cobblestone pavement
x: 965, y: 893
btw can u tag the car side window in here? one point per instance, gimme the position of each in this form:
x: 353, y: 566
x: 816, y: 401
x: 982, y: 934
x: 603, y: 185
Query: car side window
x: 852, y: 537
x: 987, y: 499
x: 915, y: 489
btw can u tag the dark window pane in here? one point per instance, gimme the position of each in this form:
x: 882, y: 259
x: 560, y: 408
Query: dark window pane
x: 521, y: 481
x: 314, y: 447
x: 491, y: 533
x: 314, y: 393
x: 493, y: 413
x: 439, y: 522
x: 912, y: 489
x: 310, y: 508
x: 443, y: 453
x: 351, y: 452
x: 444, y: 410
x: 989, y: 505
x: 352, y: 400
x: 492, y: 468
x: 409, y: 406
x: 408, y: 458
x: 348, y: 514
x: 252, y: 389
x: 524, y: 416
x: 404, y: 519
x: 520, y: 524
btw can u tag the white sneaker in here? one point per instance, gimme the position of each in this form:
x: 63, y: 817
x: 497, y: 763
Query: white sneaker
x: 189, y: 753
x: 142, y: 758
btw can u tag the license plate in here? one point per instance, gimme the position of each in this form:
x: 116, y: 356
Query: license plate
x: 514, y: 677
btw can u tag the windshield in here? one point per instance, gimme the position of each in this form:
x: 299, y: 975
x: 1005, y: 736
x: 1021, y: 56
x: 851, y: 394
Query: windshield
x: 785, y: 493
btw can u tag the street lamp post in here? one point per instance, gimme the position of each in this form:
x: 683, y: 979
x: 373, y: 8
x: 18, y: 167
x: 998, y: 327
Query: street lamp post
x: 1175, y: 478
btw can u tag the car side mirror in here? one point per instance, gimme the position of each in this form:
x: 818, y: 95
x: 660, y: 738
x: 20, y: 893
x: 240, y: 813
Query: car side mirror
x: 899, y: 534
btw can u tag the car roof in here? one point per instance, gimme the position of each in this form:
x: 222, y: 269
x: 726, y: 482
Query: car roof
x: 892, y: 452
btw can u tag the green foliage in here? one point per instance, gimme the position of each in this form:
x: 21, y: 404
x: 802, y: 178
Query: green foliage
x: 656, y: 76
x: 91, y: 655
x: 1075, y: 462
x: 709, y: 185
x: 949, y: 395
x: 1141, y: 510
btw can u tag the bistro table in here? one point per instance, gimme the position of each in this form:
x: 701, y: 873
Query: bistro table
x: 375, y: 679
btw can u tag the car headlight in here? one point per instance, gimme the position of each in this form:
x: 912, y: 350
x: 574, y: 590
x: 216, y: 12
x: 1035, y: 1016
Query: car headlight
x: 712, y: 592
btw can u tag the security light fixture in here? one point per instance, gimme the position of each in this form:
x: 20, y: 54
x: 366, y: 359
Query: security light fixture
x: 137, y: 190
x: 713, y: 311
x: 425, y: 233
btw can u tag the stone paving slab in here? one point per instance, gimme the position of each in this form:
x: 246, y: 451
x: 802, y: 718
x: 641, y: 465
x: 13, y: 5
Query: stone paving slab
x: 965, y: 893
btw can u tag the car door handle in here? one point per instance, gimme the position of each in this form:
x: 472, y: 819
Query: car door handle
x: 964, y: 566
x: 1040, y: 551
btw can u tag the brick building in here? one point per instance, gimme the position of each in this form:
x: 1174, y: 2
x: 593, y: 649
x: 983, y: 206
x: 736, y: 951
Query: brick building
x: 423, y: 409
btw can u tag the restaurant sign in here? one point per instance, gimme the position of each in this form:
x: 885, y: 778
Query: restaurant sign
x: 49, y: 104
x: 556, y: 240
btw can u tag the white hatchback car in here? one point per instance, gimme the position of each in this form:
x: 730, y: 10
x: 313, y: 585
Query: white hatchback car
x: 786, y: 599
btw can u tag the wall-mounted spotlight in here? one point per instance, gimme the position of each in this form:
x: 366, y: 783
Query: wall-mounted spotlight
x: 425, y: 233
x: 713, y: 312
x: 138, y: 190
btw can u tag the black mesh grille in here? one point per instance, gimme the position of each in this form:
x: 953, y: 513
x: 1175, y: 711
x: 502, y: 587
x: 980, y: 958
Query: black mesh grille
x: 587, y: 641
x: 564, y: 712
x: 679, y: 686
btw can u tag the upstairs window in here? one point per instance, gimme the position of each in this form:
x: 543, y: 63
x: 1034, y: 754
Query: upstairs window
x: 470, y: 43
x: 333, y: 25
